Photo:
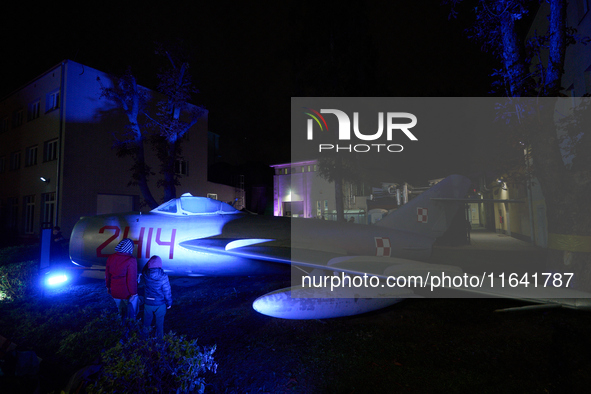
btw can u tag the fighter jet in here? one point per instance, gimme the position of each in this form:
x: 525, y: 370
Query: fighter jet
x: 197, y: 236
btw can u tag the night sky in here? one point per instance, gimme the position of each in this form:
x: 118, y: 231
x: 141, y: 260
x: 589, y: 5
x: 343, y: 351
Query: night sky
x: 249, y: 60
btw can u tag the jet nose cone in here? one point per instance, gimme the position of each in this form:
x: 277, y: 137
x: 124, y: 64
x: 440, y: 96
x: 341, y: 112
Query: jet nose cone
x: 77, y: 241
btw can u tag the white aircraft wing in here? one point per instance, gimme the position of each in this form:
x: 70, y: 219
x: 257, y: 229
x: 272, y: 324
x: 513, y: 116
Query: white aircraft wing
x: 327, y: 294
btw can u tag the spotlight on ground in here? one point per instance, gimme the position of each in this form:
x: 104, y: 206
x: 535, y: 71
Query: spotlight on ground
x: 56, y: 279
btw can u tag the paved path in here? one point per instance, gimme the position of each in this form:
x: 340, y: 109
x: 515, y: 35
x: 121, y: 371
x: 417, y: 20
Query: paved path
x: 491, y: 252
x: 482, y: 239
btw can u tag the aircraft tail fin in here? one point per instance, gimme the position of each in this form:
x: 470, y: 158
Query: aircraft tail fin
x: 426, y: 216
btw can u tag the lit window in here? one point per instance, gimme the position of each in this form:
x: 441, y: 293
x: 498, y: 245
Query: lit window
x: 212, y: 196
x: 31, y: 156
x: 50, y: 150
x: 52, y: 101
x: 15, y: 160
x: 34, y: 110
x: 17, y: 118
x: 181, y: 167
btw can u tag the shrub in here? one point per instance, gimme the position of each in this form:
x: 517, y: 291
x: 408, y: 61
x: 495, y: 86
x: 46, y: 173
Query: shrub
x: 19, y: 253
x: 141, y: 364
x: 18, y: 280
x: 85, y: 345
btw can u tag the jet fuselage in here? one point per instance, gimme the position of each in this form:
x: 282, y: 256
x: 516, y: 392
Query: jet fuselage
x: 227, y: 244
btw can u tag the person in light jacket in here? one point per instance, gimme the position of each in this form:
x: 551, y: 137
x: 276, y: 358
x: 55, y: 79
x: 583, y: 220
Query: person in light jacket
x: 121, y: 279
x: 157, y: 297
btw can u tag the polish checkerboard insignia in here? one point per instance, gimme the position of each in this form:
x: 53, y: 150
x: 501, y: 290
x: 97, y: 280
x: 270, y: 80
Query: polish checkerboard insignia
x: 383, y: 248
x: 422, y: 215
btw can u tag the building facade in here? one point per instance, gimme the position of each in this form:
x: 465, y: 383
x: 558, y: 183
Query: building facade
x: 299, y: 191
x: 57, y: 161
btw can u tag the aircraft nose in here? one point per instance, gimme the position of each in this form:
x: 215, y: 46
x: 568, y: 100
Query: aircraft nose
x: 77, y: 242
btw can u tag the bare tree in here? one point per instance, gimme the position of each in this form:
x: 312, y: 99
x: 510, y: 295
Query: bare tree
x: 169, y: 127
x: 165, y: 126
x: 132, y: 99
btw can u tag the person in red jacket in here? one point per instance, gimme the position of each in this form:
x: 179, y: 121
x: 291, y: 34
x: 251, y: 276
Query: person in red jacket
x: 121, y: 279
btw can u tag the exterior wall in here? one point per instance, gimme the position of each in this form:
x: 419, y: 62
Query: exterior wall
x: 87, y: 168
x: 300, y: 183
x: 294, y: 186
x: 25, y: 181
x: 89, y: 164
x: 518, y: 219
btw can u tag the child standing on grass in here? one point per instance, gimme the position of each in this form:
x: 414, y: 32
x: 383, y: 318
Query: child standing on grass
x: 158, y: 297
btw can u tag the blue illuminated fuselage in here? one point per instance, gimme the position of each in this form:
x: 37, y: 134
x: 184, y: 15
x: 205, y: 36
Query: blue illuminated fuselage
x: 94, y: 239
x: 197, y: 236
x: 237, y: 244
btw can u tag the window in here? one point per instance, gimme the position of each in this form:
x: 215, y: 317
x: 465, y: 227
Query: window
x: 15, y: 160
x: 2, y: 164
x: 17, y: 118
x: 50, y: 150
x: 52, y: 101
x: 4, y: 124
x: 181, y: 167
x: 29, y: 214
x: 212, y: 196
x: 31, y: 156
x: 34, y: 110
x: 48, y: 207
x: 169, y: 207
x: 200, y: 205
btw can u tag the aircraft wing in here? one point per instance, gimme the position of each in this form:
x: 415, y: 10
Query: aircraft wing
x: 298, y: 302
x: 420, y: 279
x: 429, y: 277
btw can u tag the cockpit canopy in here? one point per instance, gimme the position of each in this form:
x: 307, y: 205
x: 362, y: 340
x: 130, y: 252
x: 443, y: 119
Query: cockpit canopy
x: 190, y: 205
